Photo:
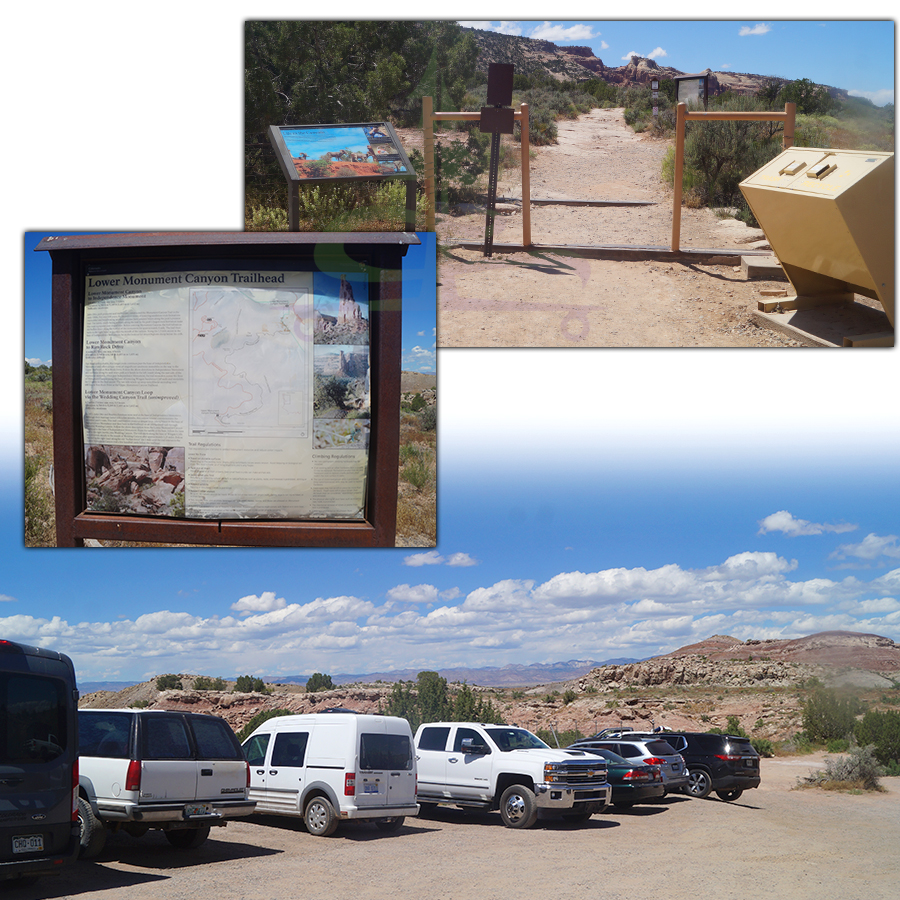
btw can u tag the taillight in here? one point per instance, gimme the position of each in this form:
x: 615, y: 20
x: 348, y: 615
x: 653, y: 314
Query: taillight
x: 133, y: 778
x: 654, y: 761
x: 350, y: 784
x: 730, y: 757
x: 248, y: 776
x: 75, y: 792
x: 636, y: 775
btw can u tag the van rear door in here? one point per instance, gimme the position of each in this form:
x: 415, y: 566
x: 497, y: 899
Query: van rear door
x: 386, y: 771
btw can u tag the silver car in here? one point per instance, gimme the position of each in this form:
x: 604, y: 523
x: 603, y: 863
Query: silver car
x: 648, y: 752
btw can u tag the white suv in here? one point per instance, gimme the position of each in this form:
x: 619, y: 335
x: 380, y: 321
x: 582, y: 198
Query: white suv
x: 142, y: 769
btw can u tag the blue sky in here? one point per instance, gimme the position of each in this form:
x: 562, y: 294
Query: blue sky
x: 855, y: 55
x: 591, y: 503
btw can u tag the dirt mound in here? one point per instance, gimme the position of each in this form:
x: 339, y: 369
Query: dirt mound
x: 831, y: 649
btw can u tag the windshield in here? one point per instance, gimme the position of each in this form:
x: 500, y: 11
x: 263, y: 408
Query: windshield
x: 516, y: 739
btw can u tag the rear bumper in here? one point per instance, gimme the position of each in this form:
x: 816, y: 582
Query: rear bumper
x: 638, y: 793
x: 674, y: 784
x: 380, y: 812
x: 150, y: 813
x: 47, y: 864
x: 730, y: 782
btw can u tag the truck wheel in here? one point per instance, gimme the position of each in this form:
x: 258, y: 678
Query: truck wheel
x: 518, y: 808
x: 390, y: 824
x: 319, y: 817
x: 188, y: 838
x: 93, y: 832
x: 733, y: 794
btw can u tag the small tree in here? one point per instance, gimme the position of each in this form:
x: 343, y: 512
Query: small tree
x: 205, y: 683
x: 169, y: 683
x: 882, y: 731
x: 319, y: 682
x: 827, y: 715
x: 246, y: 684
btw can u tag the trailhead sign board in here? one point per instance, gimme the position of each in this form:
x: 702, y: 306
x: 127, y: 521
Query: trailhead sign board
x: 311, y: 154
x: 221, y: 385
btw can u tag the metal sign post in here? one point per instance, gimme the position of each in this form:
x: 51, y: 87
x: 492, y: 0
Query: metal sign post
x: 497, y: 119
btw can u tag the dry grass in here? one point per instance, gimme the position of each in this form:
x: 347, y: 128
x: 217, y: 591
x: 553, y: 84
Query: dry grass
x: 40, y: 517
x: 417, y: 495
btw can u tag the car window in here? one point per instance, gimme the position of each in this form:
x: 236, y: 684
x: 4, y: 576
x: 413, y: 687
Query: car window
x: 516, y: 739
x: 660, y: 748
x: 164, y: 737
x: 255, y: 749
x: 104, y: 734
x: 627, y: 750
x: 215, y: 739
x: 385, y: 751
x: 678, y: 743
x: 290, y: 748
x: 478, y: 740
x: 433, y: 738
x: 34, y: 718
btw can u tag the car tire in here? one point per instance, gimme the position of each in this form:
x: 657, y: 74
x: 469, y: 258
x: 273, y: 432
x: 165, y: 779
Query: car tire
x: 390, y: 824
x: 319, y: 817
x: 92, y: 831
x: 700, y: 783
x: 188, y: 838
x: 518, y: 807
x: 733, y: 794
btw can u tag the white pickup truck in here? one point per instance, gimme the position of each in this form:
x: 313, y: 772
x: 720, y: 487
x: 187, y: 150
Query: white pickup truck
x: 507, y: 768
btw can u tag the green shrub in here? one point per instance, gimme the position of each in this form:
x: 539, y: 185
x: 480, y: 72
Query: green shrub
x: 319, y: 682
x: 37, y: 508
x: 568, y: 696
x: 417, y: 472
x: 169, y: 683
x: 763, y: 746
x: 838, y: 745
x: 858, y: 770
x: 828, y: 715
x: 246, y: 684
x: 428, y: 418
x: 882, y: 731
x: 205, y: 683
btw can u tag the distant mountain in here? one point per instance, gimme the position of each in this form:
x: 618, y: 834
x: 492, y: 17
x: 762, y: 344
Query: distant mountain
x: 488, y: 676
x: 90, y: 687
x: 531, y: 56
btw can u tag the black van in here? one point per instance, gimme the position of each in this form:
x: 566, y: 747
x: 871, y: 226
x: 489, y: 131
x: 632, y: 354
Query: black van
x: 39, y: 830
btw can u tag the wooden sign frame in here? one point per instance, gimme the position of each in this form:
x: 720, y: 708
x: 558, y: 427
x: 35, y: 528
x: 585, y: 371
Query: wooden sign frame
x: 381, y: 256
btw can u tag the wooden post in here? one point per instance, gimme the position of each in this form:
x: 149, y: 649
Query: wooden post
x: 428, y: 133
x: 526, y: 176
x: 790, y: 118
x: 681, y: 109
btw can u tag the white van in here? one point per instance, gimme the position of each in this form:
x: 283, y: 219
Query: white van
x: 332, y: 766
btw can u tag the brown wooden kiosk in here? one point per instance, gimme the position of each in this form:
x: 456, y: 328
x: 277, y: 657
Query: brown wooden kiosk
x: 137, y: 343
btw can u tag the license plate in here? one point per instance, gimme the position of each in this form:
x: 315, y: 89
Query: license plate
x: 750, y: 763
x: 28, y: 843
x: 197, y: 809
x: 370, y: 788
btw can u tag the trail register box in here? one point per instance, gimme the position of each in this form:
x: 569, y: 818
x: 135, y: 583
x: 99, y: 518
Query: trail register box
x: 227, y: 388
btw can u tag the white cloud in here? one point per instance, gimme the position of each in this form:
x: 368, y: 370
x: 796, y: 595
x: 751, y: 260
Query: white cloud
x: 879, y: 98
x: 433, y: 558
x: 512, y: 28
x: 604, y: 45
x: 657, y: 53
x: 34, y: 361
x: 6, y: 599
x: 756, y: 29
x: 632, y: 53
x: 461, y: 559
x: 870, y: 547
x: 420, y: 593
x: 263, y: 603
x: 560, y: 34
x: 724, y: 67
x: 784, y: 522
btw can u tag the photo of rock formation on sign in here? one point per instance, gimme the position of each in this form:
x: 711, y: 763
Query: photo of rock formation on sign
x: 341, y: 151
x: 341, y: 309
x: 139, y: 480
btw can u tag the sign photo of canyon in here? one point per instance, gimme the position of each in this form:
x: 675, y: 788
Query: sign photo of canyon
x: 344, y: 151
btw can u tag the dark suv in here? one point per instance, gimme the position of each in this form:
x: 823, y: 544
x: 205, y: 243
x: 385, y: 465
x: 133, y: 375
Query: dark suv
x: 723, y: 763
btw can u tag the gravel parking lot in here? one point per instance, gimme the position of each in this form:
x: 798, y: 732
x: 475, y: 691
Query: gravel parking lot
x: 772, y: 842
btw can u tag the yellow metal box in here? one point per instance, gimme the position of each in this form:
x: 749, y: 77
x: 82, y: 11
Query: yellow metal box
x: 829, y: 217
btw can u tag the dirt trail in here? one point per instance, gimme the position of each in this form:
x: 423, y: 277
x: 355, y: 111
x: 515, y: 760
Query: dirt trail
x: 544, y: 299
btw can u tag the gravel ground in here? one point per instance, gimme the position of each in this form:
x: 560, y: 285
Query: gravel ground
x: 771, y: 843
x: 549, y: 299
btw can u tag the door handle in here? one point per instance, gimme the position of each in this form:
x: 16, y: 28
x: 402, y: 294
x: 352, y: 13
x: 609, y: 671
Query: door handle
x: 260, y: 771
x: 206, y: 771
x: 273, y: 771
x: 453, y: 759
